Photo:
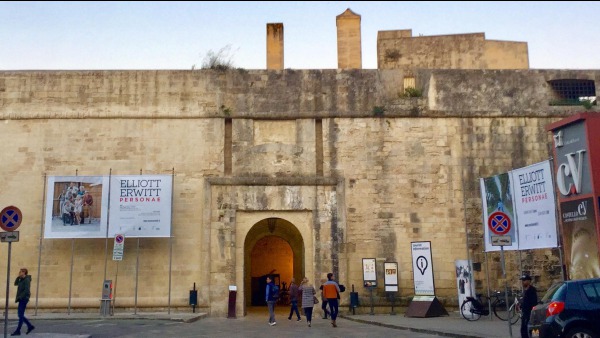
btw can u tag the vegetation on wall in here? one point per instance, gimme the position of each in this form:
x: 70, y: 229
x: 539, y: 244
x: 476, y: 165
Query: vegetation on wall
x: 378, y: 110
x: 226, y: 111
x: 221, y: 60
x: 411, y: 92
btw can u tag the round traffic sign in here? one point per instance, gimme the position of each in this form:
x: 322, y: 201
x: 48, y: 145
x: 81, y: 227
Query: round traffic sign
x: 10, y: 218
x: 119, y: 239
x: 499, y: 223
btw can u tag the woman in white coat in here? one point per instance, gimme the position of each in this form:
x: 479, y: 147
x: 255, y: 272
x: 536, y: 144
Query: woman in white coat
x: 308, y: 296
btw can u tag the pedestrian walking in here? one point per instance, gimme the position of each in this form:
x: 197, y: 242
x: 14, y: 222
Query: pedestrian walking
x: 530, y: 300
x: 323, y: 300
x: 23, y: 283
x: 294, y: 300
x: 308, y: 299
x: 271, y: 299
x: 331, y: 291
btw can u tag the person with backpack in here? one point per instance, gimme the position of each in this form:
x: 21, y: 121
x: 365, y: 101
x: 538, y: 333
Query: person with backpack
x: 331, y: 291
x: 271, y: 295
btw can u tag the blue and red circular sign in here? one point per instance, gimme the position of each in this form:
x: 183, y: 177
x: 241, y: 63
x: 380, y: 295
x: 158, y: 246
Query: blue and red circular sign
x: 10, y: 218
x: 119, y: 239
x: 499, y: 223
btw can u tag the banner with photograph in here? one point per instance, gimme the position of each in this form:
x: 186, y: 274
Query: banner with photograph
x: 497, y: 199
x: 464, y: 282
x: 422, y: 269
x: 580, y: 239
x: 76, y: 207
x: 140, y: 205
x: 535, y: 206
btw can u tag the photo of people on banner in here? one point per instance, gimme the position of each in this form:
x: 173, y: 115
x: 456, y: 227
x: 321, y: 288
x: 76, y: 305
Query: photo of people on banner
x: 77, y: 206
x: 526, y: 196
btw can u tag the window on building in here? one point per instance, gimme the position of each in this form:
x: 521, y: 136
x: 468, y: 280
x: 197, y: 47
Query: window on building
x: 572, y: 92
x: 409, y: 82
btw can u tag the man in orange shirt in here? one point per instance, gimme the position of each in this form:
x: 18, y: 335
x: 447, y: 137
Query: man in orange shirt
x: 331, y: 291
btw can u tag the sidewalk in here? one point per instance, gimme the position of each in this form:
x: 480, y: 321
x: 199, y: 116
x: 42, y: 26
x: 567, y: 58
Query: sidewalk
x: 173, y: 316
x: 178, y: 317
x: 449, y: 326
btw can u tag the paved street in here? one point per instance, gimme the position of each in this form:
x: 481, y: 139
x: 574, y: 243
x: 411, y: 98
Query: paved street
x: 253, y: 325
x: 188, y: 324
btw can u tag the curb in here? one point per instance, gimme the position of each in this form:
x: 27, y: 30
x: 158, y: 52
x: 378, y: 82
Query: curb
x: 411, y: 329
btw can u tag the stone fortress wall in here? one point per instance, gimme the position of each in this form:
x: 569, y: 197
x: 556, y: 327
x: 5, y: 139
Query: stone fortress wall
x: 354, y: 167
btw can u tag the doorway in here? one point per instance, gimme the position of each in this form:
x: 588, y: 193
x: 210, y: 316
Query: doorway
x: 273, y: 246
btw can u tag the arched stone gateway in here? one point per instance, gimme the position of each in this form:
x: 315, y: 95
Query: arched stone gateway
x: 259, y: 236
x: 295, y: 220
x: 272, y: 246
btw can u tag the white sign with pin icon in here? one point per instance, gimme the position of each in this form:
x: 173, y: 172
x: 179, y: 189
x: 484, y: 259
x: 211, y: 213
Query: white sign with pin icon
x: 422, y: 269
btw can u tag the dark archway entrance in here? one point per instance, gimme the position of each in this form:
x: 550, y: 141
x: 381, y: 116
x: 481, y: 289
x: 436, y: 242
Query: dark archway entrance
x: 273, y: 246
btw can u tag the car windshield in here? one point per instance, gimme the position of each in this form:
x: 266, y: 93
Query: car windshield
x: 555, y: 292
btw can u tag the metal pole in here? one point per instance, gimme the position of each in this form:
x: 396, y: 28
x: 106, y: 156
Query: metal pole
x: 137, y: 267
x: 171, y: 244
x: 115, y: 290
x: 487, y: 268
x: 372, y: 301
x: 7, y: 291
x: 520, y: 263
x: 505, y: 290
x: 37, y: 288
x: 71, y: 276
x: 72, y: 258
x: 487, y: 278
x: 462, y: 178
x: 107, y: 224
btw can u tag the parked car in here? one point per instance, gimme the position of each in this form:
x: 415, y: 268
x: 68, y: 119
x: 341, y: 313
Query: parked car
x: 569, y: 309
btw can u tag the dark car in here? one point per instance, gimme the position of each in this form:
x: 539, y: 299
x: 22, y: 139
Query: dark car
x: 568, y: 309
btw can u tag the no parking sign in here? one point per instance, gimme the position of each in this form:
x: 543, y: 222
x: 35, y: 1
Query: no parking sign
x: 499, y: 223
x: 10, y: 218
x: 118, y: 247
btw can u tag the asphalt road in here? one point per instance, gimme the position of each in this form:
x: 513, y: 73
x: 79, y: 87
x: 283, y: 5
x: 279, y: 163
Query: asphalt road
x: 254, y: 325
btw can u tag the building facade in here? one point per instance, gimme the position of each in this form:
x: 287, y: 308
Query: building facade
x: 287, y: 172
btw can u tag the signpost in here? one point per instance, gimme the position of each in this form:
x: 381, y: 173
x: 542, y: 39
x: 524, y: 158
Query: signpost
x: 118, y: 248
x: 500, y: 224
x: 10, y: 220
x: 391, y: 281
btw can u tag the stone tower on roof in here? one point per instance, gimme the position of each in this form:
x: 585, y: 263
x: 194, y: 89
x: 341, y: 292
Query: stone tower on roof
x: 348, y: 40
x: 399, y: 49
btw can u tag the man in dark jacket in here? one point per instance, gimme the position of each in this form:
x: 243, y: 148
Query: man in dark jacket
x: 294, y: 300
x: 271, y: 300
x: 23, y: 283
x: 530, y: 300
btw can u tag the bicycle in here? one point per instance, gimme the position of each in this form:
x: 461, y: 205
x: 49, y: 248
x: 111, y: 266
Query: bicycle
x: 473, y: 308
x: 515, y: 308
x: 284, y: 295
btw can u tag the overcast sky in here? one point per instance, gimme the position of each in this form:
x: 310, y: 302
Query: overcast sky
x: 177, y: 35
